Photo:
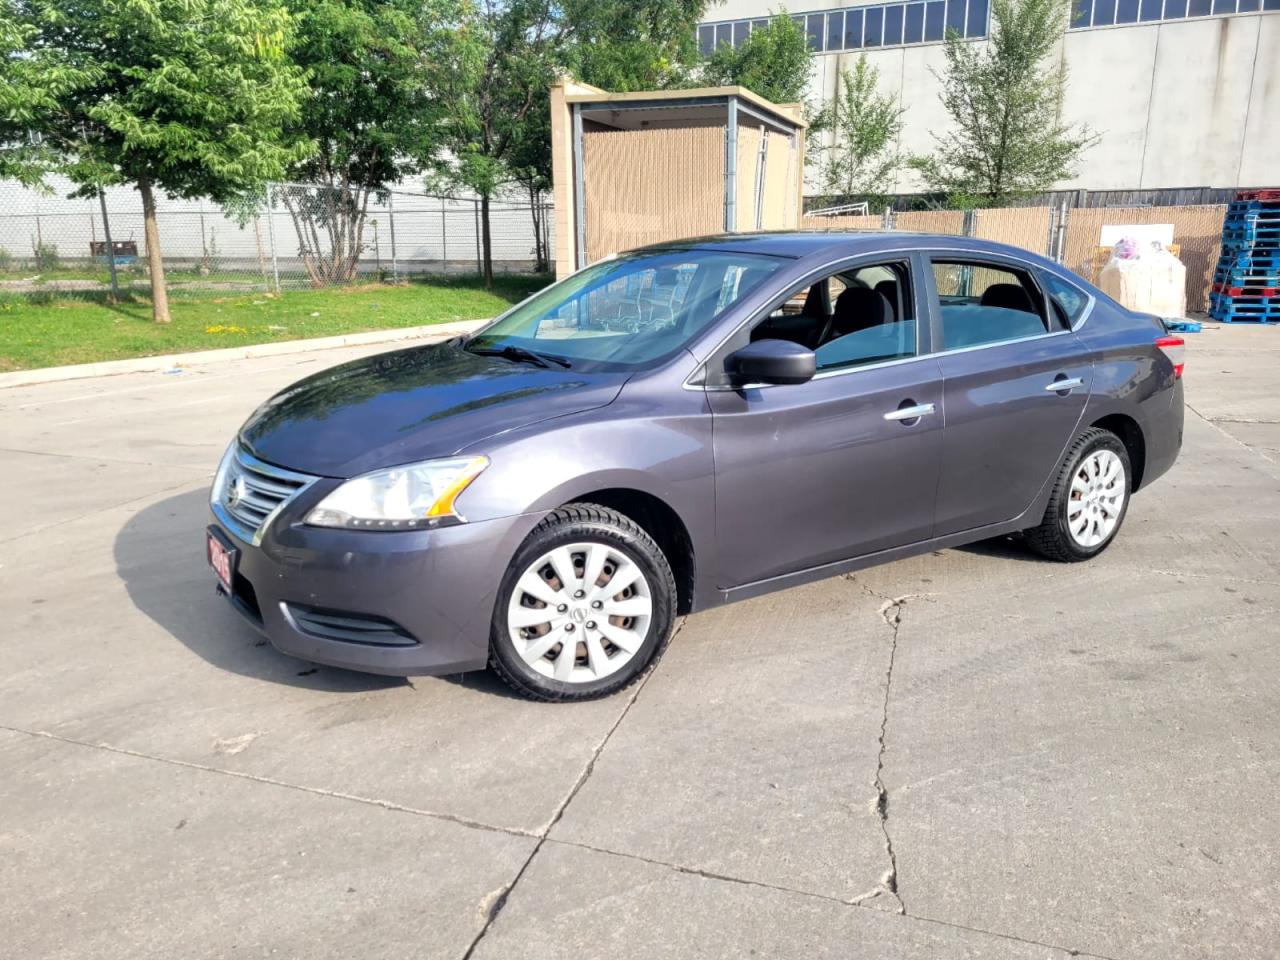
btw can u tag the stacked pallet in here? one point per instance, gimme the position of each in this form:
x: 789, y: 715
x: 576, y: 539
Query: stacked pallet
x: 1246, y: 283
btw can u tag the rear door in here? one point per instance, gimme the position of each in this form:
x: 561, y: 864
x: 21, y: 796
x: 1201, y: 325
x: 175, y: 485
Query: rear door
x: 1015, y: 385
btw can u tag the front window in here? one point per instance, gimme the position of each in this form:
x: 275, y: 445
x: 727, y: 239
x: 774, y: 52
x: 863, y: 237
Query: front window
x: 628, y: 312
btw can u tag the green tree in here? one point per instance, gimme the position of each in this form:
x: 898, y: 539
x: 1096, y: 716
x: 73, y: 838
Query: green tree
x: 625, y: 45
x: 33, y: 81
x: 370, y: 109
x: 1008, y: 139
x: 619, y: 45
x: 862, y: 158
x: 495, y: 67
x: 774, y: 61
x: 530, y: 165
x: 187, y: 96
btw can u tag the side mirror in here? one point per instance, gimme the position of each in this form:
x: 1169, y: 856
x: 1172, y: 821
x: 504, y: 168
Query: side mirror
x: 772, y: 361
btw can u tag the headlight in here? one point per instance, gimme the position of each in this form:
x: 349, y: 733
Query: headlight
x: 414, y: 495
x: 220, y: 478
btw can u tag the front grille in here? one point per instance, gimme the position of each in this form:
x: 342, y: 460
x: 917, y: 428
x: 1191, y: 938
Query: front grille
x: 251, y: 491
x: 350, y: 627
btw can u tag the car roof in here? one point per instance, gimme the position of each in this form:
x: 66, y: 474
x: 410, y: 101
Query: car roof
x: 836, y: 244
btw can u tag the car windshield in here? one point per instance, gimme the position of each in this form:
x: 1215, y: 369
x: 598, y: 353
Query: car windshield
x: 625, y: 313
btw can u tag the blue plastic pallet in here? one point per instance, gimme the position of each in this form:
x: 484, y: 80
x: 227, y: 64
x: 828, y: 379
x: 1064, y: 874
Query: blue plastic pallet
x: 1258, y: 208
x: 1250, y: 259
x: 1182, y: 326
x: 1253, y: 232
x: 1244, y: 309
x: 1259, y: 247
x: 1247, y: 277
x: 1253, y: 216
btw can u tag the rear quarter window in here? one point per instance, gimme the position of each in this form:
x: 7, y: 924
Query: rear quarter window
x: 1069, y: 301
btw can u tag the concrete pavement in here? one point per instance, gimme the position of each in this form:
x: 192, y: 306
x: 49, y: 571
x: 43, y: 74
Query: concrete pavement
x: 967, y: 754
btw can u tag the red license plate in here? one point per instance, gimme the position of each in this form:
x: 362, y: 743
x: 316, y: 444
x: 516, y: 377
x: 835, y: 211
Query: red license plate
x: 223, y: 561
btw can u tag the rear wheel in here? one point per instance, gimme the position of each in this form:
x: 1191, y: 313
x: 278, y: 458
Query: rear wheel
x: 586, y: 606
x: 1089, y: 501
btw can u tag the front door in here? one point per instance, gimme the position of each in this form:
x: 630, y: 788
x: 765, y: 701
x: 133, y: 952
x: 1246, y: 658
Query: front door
x: 844, y: 465
x: 1016, y: 386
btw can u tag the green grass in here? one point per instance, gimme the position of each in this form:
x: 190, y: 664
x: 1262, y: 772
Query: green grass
x: 73, y: 330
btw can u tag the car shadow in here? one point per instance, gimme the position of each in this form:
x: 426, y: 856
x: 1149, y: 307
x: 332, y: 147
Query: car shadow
x: 1003, y: 548
x: 159, y: 556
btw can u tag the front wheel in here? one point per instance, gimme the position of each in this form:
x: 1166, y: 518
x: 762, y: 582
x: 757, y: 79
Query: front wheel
x: 586, y: 606
x: 1089, y: 500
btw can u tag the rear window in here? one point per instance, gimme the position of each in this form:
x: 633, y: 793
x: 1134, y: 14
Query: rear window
x: 983, y: 303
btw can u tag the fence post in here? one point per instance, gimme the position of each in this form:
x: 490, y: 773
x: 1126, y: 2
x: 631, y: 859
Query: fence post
x: 886, y: 222
x: 970, y: 222
x: 444, y: 239
x: 391, y: 226
x: 1060, y: 254
x: 479, y: 256
x: 271, y: 239
x: 111, y: 248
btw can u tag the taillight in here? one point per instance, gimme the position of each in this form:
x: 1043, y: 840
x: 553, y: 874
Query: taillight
x: 1175, y: 349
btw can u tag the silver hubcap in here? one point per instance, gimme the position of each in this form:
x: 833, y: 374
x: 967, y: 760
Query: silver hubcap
x: 1098, y: 490
x: 580, y: 612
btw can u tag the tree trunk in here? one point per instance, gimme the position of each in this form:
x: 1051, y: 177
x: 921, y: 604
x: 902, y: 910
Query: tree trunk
x: 155, y: 262
x: 486, y: 241
x: 540, y: 252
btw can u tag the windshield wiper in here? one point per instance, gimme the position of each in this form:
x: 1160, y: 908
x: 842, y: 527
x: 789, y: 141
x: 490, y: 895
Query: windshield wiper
x: 520, y: 355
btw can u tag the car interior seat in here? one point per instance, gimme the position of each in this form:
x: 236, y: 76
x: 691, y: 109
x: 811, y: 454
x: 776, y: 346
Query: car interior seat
x: 889, y: 290
x: 1009, y: 296
x: 860, y: 308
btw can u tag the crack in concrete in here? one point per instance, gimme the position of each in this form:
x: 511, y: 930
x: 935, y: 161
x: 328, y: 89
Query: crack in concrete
x: 891, y: 613
x: 1216, y: 577
x: 498, y: 899
x: 271, y: 781
x: 1229, y: 435
x: 858, y: 902
x: 493, y: 902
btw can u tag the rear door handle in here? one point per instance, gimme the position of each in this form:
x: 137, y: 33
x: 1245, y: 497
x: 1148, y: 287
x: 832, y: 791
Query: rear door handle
x: 910, y: 413
x: 1059, y: 386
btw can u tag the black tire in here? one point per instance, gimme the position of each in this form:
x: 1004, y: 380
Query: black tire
x: 577, y: 523
x: 1052, y: 538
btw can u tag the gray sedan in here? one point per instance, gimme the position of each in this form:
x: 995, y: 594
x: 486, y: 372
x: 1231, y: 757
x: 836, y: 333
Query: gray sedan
x: 682, y: 427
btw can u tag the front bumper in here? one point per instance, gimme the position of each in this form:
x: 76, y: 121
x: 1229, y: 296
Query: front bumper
x: 437, y: 586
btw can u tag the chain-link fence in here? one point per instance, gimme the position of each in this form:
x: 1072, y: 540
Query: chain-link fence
x: 1069, y: 235
x: 298, y: 236
x: 294, y: 236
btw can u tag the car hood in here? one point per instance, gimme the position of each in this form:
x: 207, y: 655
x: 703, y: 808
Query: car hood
x: 412, y: 405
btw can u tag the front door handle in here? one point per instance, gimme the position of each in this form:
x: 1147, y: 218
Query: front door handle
x: 1063, y: 385
x: 910, y: 413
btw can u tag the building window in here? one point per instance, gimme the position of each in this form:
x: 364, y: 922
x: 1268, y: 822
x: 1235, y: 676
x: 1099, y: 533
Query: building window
x: 914, y: 31
x: 872, y: 24
x: 934, y: 15
x: 835, y: 30
x: 1107, y: 13
x: 853, y: 29
x: 816, y: 30
x: 880, y: 25
x: 893, y: 26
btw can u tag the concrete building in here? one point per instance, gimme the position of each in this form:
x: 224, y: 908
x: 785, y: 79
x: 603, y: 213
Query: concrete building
x: 1183, y: 93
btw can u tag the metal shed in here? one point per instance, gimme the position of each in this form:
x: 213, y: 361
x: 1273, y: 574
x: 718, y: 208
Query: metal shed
x: 638, y: 168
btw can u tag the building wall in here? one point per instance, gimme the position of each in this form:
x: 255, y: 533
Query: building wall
x: 1182, y: 103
